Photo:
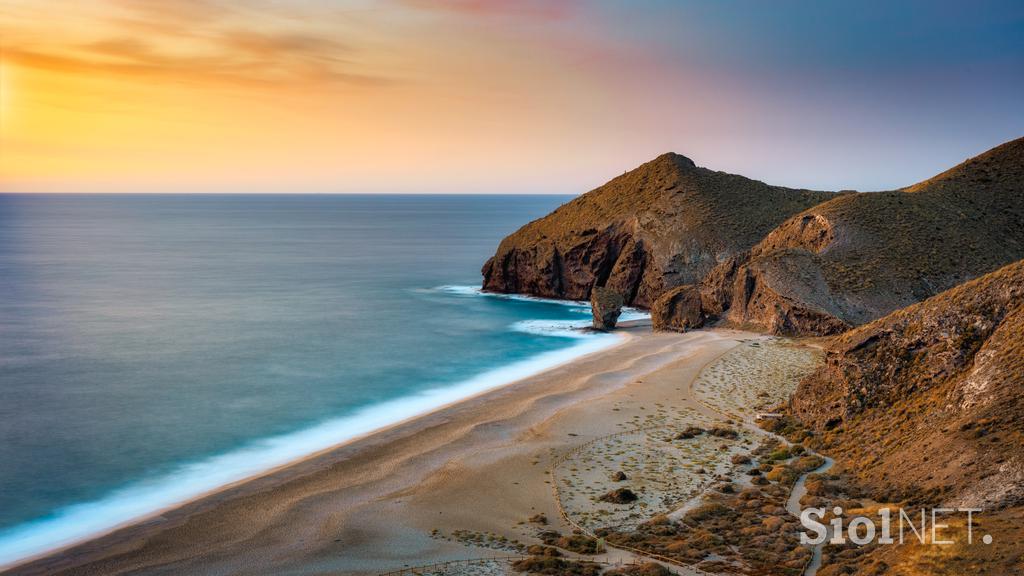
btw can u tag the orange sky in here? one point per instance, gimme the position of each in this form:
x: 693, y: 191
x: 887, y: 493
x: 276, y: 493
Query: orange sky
x: 204, y: 96
x: 399, y: 96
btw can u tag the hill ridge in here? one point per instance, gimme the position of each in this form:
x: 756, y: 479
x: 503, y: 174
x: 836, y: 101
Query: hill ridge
x: 857, y: 257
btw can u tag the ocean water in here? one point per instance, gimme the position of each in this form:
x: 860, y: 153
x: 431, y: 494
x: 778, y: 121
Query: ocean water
x: 153, y: 348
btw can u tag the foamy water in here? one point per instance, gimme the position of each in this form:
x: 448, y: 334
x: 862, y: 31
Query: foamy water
x: 575, y: 328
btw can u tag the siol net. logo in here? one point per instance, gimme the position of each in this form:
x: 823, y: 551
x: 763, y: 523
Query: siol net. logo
x: 863, y: 530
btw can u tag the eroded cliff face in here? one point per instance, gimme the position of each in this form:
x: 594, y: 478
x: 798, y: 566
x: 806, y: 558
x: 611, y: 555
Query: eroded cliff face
x: 858, y: 257
x: 572, y: 265
x: 930, y: 399
x: 664, y: 224
x: 782, y: 295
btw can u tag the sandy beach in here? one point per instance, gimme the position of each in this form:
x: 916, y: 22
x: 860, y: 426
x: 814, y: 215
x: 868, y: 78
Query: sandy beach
x: 461, y: 482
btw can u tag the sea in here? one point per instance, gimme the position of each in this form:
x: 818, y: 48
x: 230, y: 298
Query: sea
x: 156, y: 347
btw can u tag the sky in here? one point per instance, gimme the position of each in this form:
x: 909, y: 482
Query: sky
x: 488, y: 96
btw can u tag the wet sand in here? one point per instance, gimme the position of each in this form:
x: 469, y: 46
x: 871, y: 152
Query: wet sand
x: 458, y: 483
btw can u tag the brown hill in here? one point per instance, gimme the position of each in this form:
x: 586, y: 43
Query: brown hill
x: 665, y: 223
x: 928, y: 402
x: 860, y: 256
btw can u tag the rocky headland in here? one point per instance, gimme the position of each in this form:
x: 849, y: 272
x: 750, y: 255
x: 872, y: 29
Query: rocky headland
x: 699, y: 247
x: 661, y: 225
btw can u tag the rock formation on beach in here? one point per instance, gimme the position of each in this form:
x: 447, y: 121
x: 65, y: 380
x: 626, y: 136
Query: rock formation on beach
x: 663, y: 224
x: 606, y: 305
x: 930, y: 399
x: 858, y: 257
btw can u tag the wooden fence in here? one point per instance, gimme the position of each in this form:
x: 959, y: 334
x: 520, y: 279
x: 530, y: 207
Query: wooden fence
x: 441, y: 566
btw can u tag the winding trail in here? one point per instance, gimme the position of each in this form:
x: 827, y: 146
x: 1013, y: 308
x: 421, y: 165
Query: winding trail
x: 793, y: 507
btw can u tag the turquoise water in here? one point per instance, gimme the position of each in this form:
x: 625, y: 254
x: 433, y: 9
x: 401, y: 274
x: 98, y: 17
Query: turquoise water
x: 153, y: 348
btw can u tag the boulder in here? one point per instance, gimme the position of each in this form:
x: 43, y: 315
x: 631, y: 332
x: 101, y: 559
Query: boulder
x: 607, y: 306
x: 619, y: 496
x: 678, y: 309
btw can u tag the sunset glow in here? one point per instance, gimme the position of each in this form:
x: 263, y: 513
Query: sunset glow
x: 481, y: 96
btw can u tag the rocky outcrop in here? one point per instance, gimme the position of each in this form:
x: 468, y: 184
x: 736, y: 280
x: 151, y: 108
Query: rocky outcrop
x: 784, y: 294
x: 678, y: 309
x: 930, y: 399
x: 606, y: 306
x: 858, y: 257
x: 753, y: 294
x: 664, y: 224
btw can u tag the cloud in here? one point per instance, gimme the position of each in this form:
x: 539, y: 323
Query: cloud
x: 532, y: 9
x: 289, y: 43
x: 231, y: 64
x: 180, y: 11
x: 202, y: 40
x: 120, y: 47
x: 124, y: 62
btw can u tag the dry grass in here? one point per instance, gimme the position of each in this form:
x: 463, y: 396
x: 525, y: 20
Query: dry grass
x: 925, y: 404
x: 923, y: 408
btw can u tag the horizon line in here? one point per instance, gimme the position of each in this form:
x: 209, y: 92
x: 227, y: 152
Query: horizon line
x: 277, y: 193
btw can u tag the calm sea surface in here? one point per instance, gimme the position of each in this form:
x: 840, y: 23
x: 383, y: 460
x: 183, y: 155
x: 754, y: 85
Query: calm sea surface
x: 155, y: 347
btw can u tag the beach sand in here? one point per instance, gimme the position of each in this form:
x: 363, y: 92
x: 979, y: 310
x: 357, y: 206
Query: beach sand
x: 458, y: 483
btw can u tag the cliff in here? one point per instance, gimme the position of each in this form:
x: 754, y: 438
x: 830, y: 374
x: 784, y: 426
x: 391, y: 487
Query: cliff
x: 666, y: 223
x: 858, y: 257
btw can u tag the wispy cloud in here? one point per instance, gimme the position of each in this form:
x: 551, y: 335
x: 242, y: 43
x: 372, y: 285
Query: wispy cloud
x: 534, y: 9
x: 294, y: 44
x: 202, y: 40
x: 181, y: 11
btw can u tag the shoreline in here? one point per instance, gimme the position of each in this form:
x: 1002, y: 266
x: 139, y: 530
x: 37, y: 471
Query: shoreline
x: 586, y: 347
x: 261, y: 521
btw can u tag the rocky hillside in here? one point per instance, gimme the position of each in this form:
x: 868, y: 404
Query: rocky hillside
x: 665, y: 223
x: 928, y: 402
x: 860, y: 256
